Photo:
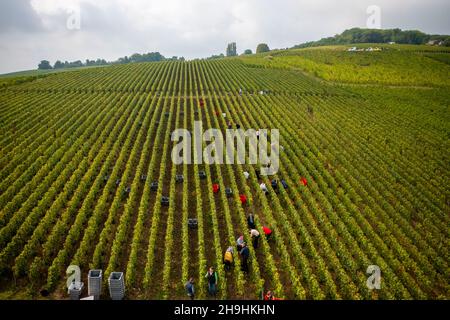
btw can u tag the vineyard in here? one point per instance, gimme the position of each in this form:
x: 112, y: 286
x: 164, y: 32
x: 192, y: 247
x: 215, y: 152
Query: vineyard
x: 80, y: 153
x: 392, y: 65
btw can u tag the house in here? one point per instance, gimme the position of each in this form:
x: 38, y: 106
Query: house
x: 435, y: 43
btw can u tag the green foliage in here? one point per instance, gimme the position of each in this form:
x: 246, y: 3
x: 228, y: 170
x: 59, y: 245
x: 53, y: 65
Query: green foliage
x: 136, y: 57
x: 44, y: 65
x: 146, y: 57
x: 218, y: 56
x: 262, y: 47
x: 12, y: 81
x: 442, y: 57
x: 358, y: 35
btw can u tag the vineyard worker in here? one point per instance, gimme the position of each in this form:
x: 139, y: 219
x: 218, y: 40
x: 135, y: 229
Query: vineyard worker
x: 246, y: 174
x: 304, y: 181
x: 267, y: 232
x: 257, y: 134
x: 274, y: 184
x: 228, y: 258
x: 239, y: 243
x: 269, y: 295
x: 251, y: 221
x: 283, y: 182
x: 263, y: 188
x: 190, y: 288
x: 254, y: 234
x: 211, y: 275
x: 245, y: 254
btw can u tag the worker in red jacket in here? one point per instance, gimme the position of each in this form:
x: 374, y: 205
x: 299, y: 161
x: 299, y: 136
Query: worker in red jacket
x: 267, y: 232
x: 269, y: 296
x: 304, y: 181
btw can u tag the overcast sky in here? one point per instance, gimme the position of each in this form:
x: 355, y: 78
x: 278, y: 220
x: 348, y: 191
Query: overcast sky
x: 33, y: 30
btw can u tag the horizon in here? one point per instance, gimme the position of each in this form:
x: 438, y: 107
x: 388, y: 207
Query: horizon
x: 116, y: 60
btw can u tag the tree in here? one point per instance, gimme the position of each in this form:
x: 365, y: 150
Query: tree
x: 76, y: 64
x: 58, y: 65
x: 136, y: 58
x: 124, y: 60
x: 262, y: 47
x: 152, y: 57
x: 44, y: 65
x: 231, y: 49
x: 214, y: 56
x: 146, y: 57
x: 248, y: 51
x: 90, y: 63
x: 101, y: 62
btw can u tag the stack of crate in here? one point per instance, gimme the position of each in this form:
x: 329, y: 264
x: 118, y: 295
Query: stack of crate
x: 116, y: 285
x: 95, y: 283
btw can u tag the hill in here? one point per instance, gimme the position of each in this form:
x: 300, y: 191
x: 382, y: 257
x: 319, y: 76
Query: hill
x: 358, y: 35
x: 381, y: 64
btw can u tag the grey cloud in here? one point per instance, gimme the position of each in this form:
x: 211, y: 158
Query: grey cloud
x: 18, y: 15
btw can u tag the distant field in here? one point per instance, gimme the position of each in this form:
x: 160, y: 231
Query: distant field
x: 375, y: 159
x: 30, y: 73
x: 394, y: 65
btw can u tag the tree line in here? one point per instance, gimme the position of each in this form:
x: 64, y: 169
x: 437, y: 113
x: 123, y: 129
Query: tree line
x: 358, y: 35
x: 146, y: 57
x: 231, y: 51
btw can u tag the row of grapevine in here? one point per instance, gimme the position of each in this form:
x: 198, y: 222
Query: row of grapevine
x: 75, y: 232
